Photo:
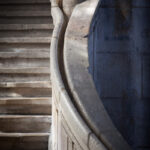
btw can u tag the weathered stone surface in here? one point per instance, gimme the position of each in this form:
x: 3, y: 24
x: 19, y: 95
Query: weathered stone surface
x: 74, y: 129
x: 24, y: 2
x: 25, y: 124
x: 23, y: 141
x: 26, y: 26
x: 25, y: 70
x: 25, y: 87
x: 26, y: 106
x: 80, y: 82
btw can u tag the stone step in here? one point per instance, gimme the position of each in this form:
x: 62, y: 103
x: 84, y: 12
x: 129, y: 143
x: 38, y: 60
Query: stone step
x: 24, y: 62
x: 20, y: 13
x: 25, y: 123
x: 35, y: 84
x: 25, y: 40
x: 16, y: 77
x: 26, y: 20
x: 25, y: 92
x: 24, y: 141
x: 26, y: 26
x: 26, y: 7
x: 25, y: 70
x: 24, y: 1
x: 24, y: 50
x: 8, y: 55
x: 26, y: 105
x: 25, y: 33
x: 25, y: 87
x: 25, y: 47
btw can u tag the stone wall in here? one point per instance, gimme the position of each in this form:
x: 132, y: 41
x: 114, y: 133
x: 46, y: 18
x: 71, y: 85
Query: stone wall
x: 119, y: 62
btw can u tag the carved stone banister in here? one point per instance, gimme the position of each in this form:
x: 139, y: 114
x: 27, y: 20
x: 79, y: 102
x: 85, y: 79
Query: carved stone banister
x: 80, y: 121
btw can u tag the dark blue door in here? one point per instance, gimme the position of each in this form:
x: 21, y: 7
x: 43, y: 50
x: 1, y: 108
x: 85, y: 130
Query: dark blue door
x: 119, y: 56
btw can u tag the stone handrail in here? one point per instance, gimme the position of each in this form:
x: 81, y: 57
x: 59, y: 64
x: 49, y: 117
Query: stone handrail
x: 79, y: 118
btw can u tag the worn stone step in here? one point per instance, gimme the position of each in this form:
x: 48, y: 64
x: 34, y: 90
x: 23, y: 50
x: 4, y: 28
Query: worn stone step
x: 8, y: 55
x: 26, y: 7
x: 25, y: 33
x: 26, y: 26
x: 25, y: 123
x: 16, y: 77
x: 25, y: 47
x: 25, y: 40
x: 35, y: 84
x: 24, y: 141
x: 26, y: 20
x: 4, y: 13
x: 23, y: 1
x: 26, y: 105
x: 25, y: 87
x: 24, y: 62
x: 24, y: 50
x: 25, y: 70
x: 25, y: 92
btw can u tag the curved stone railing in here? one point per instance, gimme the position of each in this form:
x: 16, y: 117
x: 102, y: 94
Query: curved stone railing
x: 80, y: 121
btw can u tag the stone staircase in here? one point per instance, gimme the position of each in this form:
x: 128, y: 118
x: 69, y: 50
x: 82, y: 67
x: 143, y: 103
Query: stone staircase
x: 25, y: 87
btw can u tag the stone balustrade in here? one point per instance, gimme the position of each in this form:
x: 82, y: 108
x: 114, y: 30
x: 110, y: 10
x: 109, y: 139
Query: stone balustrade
x: 80, y: 121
